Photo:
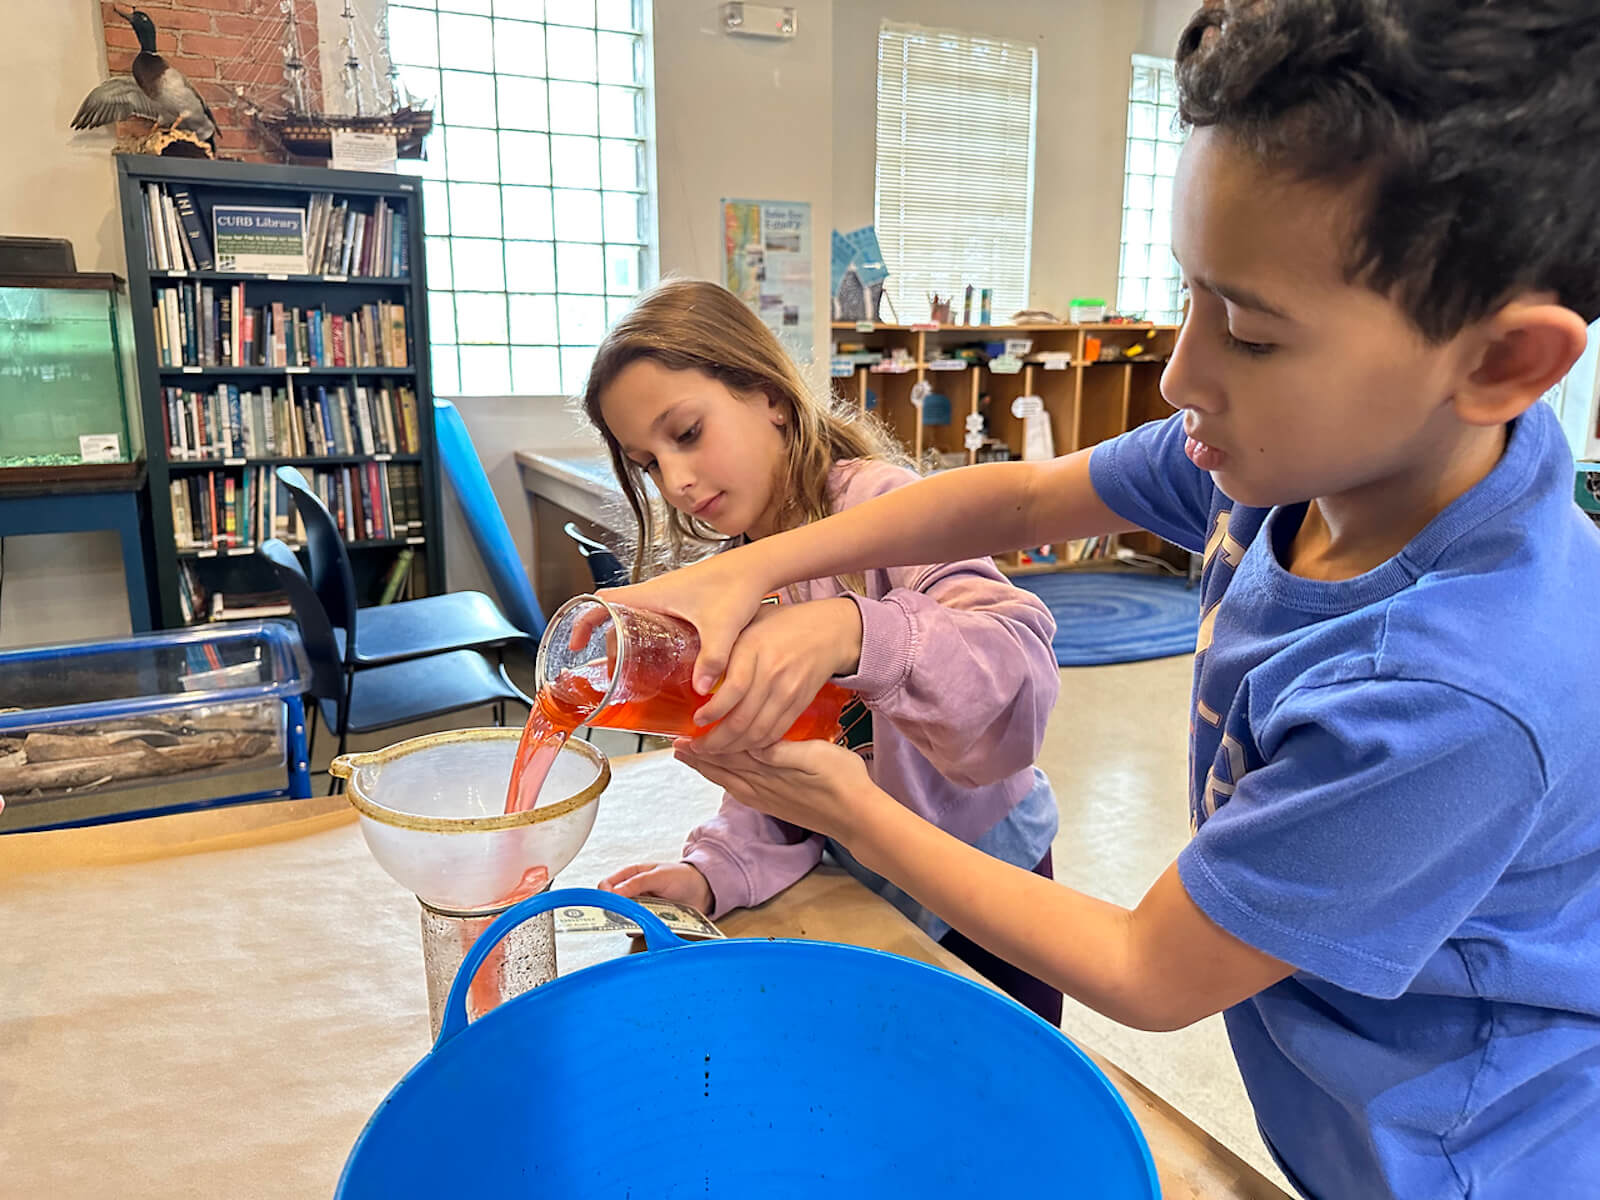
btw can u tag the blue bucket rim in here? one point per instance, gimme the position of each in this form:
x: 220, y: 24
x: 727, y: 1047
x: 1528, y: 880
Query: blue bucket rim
x: 599, y: 972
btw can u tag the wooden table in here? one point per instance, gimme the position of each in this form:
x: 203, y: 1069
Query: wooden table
x: 212, y: 1004
x: 569, y: 485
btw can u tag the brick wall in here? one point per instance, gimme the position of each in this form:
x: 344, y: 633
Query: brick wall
x: 220, y: 45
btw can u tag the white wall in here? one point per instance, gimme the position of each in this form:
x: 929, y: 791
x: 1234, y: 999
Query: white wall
x: 1164, y: 20
x: 741, y: 117
x: 1084, y: 48
x: 500, y: 426
x: 59, y: 184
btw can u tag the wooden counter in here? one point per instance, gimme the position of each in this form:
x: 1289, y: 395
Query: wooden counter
x: 213, y: 1004
x: 570, y: 485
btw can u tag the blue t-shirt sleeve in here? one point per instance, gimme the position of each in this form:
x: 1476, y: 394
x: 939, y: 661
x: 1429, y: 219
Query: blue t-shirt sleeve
x: 1383, y: 814
x: 1144, y: 476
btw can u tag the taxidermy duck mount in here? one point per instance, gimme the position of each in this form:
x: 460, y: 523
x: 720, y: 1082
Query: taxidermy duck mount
x: 180, y: 120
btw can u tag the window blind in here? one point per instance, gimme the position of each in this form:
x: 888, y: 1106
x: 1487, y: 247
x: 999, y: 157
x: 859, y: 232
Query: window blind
x: 955, y: 137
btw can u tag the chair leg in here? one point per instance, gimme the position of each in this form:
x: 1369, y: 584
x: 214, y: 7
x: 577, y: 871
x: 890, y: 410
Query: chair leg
x: 344, y: 726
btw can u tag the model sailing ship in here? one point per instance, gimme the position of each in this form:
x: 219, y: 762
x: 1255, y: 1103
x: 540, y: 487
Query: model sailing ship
x: 294, y: 123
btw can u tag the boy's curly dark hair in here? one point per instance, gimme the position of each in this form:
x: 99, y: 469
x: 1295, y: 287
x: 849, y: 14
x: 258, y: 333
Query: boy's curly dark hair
x: 1474, y: 124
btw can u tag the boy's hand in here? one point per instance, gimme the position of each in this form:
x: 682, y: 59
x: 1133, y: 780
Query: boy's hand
x: 677, y: 881
x: 718, y: 596
x: 780, y: 660
x: 815, y: 785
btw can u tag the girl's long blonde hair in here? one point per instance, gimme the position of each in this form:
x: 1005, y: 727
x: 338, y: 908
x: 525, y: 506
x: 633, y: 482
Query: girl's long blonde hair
x: 692, y: 325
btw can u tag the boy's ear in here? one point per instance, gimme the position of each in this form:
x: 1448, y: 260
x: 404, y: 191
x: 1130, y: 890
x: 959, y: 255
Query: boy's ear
x: 1521, y: 352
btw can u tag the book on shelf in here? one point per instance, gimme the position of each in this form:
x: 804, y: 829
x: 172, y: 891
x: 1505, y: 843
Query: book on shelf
x: 326, y: 237
x: 240, y: 507
x: 227, y: 421
x: 397, y: 576
x: 241, y: 606
x: 1086, y: 549
x: 346, y: 241
x: 202, y: 325
x: 191, y: 596
x: 194, y: 230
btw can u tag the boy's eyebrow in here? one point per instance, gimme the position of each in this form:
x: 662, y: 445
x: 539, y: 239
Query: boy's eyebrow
x: 1241, y: 298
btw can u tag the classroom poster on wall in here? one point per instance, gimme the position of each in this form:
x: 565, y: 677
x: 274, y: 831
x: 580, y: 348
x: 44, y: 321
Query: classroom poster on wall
x: 766, y: 258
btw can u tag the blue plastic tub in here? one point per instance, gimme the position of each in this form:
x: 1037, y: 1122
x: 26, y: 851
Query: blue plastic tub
x: 747, y: 1068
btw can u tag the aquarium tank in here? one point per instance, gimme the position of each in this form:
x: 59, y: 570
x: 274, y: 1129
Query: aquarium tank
x: 66, y: 368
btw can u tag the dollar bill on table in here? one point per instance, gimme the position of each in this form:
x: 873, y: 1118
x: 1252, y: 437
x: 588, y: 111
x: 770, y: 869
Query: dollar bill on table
x: 683, y: 920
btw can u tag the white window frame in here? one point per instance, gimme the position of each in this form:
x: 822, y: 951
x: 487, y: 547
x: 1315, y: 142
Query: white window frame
x: 540, y: 224
x: 1148, y: 279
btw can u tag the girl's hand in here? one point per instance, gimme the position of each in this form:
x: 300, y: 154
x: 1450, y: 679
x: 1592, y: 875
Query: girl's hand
x: 677, y: 881
x: 815, y: 785
x: 718, y: 596
x: 780, y: 660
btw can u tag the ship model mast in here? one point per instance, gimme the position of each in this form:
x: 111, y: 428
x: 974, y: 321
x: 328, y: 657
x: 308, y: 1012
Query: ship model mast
x: 304, y: 131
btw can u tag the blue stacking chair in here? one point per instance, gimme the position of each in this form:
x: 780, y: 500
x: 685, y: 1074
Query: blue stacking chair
x: 487, y: 524
x: 605, y: 568
x: 386, y: 633
x: 379, y: 697
x: 485, y: 521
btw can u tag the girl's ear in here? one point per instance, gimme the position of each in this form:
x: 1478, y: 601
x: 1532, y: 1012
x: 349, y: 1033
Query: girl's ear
x: 775, y: 412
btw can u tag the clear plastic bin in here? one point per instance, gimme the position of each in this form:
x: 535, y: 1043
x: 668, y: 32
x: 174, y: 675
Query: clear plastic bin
x: 91, y: 716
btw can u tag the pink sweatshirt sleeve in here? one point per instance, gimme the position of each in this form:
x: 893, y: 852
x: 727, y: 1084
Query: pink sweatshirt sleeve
x: 748, y: 857
x: 960, y: 661
x: 957, y: 658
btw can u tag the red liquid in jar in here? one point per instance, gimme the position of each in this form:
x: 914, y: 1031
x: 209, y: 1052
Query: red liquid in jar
x: 667, y: 707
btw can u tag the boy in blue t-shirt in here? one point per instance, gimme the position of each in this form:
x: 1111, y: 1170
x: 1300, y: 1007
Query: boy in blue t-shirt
x: 1388, y: 216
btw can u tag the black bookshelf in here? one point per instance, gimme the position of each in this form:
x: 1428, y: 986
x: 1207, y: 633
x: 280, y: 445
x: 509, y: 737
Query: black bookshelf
x: 235, y: 569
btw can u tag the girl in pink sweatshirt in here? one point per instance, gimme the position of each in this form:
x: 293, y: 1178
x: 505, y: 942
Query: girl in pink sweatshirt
x: 951, y: 664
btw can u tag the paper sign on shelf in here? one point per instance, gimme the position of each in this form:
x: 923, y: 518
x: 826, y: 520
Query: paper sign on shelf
x: 1038, y: 439
x: 363, y: 151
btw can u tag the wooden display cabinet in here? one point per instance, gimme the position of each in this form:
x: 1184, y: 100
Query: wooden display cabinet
x: 1087, y: 401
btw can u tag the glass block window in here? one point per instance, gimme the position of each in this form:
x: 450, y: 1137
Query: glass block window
x: 955, y: 153
x: 1148, y: 281
x: 535, y: 189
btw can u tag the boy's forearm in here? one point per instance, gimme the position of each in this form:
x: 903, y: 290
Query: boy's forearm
x: 968, y: 513
x: 1161, y: 966
x: 1072, y: 941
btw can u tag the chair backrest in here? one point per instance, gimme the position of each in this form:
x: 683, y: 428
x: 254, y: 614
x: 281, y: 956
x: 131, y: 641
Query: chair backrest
x: 316, y: 631
x: 604, y: 567
x: 331, y: 576
x: 485, y: 521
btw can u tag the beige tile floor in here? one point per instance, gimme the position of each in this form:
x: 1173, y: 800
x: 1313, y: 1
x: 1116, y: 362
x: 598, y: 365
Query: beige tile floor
x: 1116, y: 751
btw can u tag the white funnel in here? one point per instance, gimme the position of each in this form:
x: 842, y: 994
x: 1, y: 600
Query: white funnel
x: 433, y: 813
